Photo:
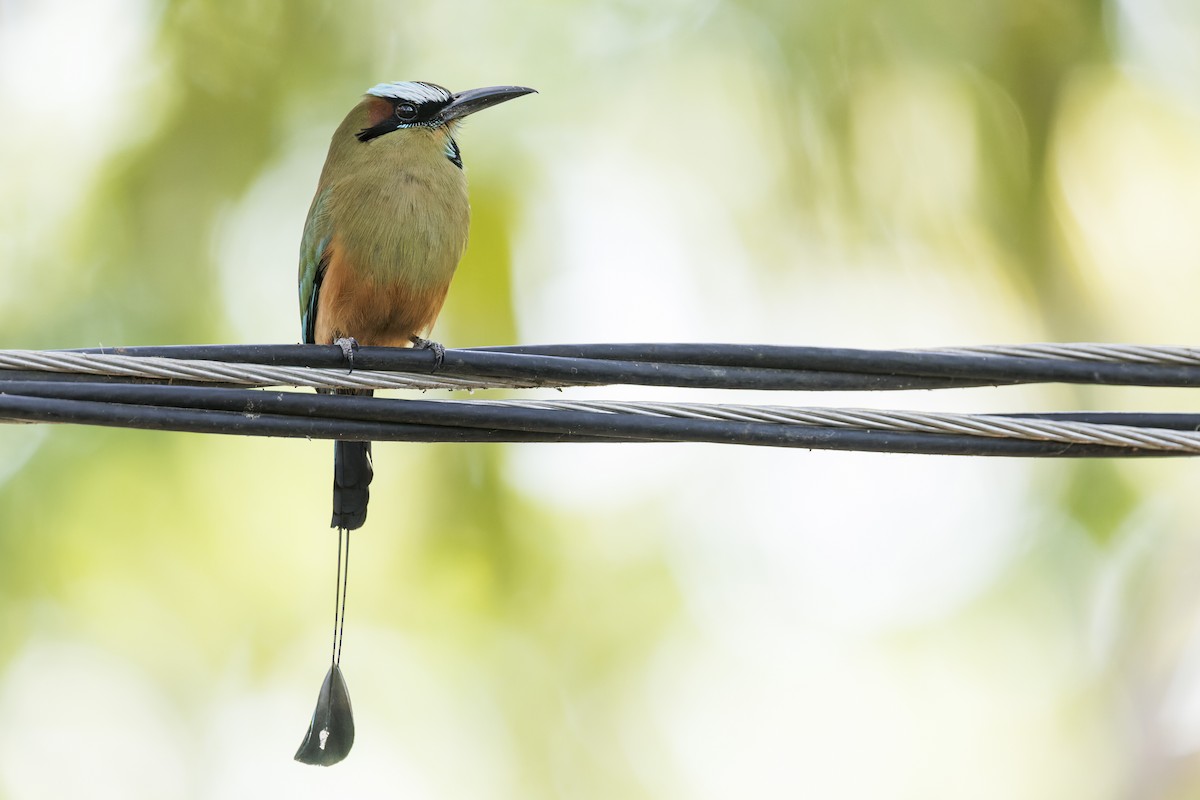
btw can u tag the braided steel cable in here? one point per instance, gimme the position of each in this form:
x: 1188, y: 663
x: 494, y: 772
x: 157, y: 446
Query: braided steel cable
x: 156, y: 388
x: 765, y: 367
x: 280, y: 413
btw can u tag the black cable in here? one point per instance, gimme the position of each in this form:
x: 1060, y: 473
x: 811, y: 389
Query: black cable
x: 731, y: 366
x: 253, y: 401
x: 495, y: 363
x: 179, y: 405
x: 291, y: 414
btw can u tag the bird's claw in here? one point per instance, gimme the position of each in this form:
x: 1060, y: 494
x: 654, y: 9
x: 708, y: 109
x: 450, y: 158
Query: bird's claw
x: 349, y: 346
x: 439, y: 350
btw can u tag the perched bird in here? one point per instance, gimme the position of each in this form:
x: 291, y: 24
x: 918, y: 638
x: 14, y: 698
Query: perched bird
x: 384, y: 234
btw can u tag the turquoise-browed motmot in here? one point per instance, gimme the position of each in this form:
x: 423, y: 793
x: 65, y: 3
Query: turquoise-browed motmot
x: 384, y: 235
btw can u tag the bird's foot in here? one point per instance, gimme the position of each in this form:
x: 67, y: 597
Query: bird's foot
x: 439, y: 350
x: 349, y: 346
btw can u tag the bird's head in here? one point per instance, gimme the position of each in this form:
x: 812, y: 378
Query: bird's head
x: 417, y: 104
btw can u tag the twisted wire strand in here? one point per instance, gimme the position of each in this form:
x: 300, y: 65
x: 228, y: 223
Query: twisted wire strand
x: 767, y: 367
x: 1112, y: 353
x: 94, y: 388
x: 989, y: 425
x: 290, y: 413
x: 193, y: 370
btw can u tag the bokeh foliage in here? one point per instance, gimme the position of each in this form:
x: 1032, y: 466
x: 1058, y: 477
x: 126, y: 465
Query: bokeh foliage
x: 592, y: 623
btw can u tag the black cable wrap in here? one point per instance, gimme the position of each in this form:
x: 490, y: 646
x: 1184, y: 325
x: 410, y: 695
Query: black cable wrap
x: 34, y: 389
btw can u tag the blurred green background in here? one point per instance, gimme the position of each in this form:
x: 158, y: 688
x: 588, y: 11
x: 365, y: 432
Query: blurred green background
x: 611, y: 621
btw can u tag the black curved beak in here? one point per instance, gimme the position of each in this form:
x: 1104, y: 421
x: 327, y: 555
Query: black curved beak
x: 473, y: 100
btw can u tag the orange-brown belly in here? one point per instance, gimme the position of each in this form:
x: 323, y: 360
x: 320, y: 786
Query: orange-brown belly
x: 375, y: 314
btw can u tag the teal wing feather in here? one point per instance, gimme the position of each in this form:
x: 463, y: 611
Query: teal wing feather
x: 314, y: 258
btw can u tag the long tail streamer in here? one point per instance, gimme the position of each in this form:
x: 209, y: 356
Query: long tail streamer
x: 331, y: 732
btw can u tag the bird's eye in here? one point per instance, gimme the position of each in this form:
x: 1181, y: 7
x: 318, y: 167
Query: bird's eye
x: 406, y: 111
